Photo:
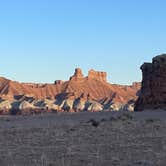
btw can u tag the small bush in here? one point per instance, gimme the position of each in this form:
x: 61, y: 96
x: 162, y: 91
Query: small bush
x: 94, y: 122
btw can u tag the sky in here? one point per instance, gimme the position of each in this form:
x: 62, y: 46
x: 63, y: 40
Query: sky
x: 45, y: 40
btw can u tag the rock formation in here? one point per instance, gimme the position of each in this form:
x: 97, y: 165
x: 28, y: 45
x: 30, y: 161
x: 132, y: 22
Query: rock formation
x: 77, y: 75
x: 153, y: 91
x: 101, y: 76
x: 79, y: 93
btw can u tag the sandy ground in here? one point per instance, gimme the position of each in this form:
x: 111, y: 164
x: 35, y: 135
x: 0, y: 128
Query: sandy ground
x: 84, y: 139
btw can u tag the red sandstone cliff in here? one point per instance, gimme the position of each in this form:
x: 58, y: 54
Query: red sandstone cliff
x: 153, y: 91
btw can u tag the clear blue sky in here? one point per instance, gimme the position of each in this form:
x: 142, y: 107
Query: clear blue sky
x: 44, y: 40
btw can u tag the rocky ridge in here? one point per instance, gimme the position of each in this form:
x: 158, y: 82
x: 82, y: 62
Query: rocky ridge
x: 79, y: 93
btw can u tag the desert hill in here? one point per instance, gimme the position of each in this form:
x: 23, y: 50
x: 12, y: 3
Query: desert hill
x: 93, y: 87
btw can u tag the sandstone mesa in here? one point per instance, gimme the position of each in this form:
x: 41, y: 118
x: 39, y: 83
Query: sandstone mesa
x: 79, y: 93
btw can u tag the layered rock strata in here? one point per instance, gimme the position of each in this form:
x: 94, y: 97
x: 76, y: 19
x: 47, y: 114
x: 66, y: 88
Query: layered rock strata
x: 79, y: 93
x: 101, y: 76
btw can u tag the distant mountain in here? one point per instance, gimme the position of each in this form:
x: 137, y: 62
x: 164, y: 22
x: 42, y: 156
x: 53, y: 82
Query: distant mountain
x: 79, y: 93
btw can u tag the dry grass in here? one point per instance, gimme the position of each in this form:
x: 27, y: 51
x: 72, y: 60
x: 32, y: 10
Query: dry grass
x: 75, y: 140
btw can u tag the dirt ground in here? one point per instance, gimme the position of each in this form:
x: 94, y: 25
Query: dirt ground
x: 84, y: 139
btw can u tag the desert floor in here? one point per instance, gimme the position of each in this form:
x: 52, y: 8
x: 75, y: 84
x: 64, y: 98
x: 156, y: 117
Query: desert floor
x: 84, y: 139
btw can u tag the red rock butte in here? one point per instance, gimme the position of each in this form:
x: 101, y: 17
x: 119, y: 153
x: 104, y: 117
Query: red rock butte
x: 92, y: 74
x: 101, y: 76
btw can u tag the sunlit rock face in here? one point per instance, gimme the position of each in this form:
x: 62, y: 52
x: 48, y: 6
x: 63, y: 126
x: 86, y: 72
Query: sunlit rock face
x: 77, y: 75
x: 153, y: 91
x: 101, y: 76
x: 79, y: 93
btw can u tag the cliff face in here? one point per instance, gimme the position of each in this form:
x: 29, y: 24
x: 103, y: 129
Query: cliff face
x: 153, y: 91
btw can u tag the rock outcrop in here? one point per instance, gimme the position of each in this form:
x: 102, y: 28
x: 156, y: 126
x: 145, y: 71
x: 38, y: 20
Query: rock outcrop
x: 153, y: 91
x: 77, y: 75
x: 5, y: 105
x: 58, y: 82
x: 26, y: 105
x: 101, y: 76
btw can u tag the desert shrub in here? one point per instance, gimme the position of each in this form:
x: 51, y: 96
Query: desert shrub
x: 113, y: 118
x: 94, y: 122
x: 150, y: 120
x: 15, y: 111
x: 125, y: 116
